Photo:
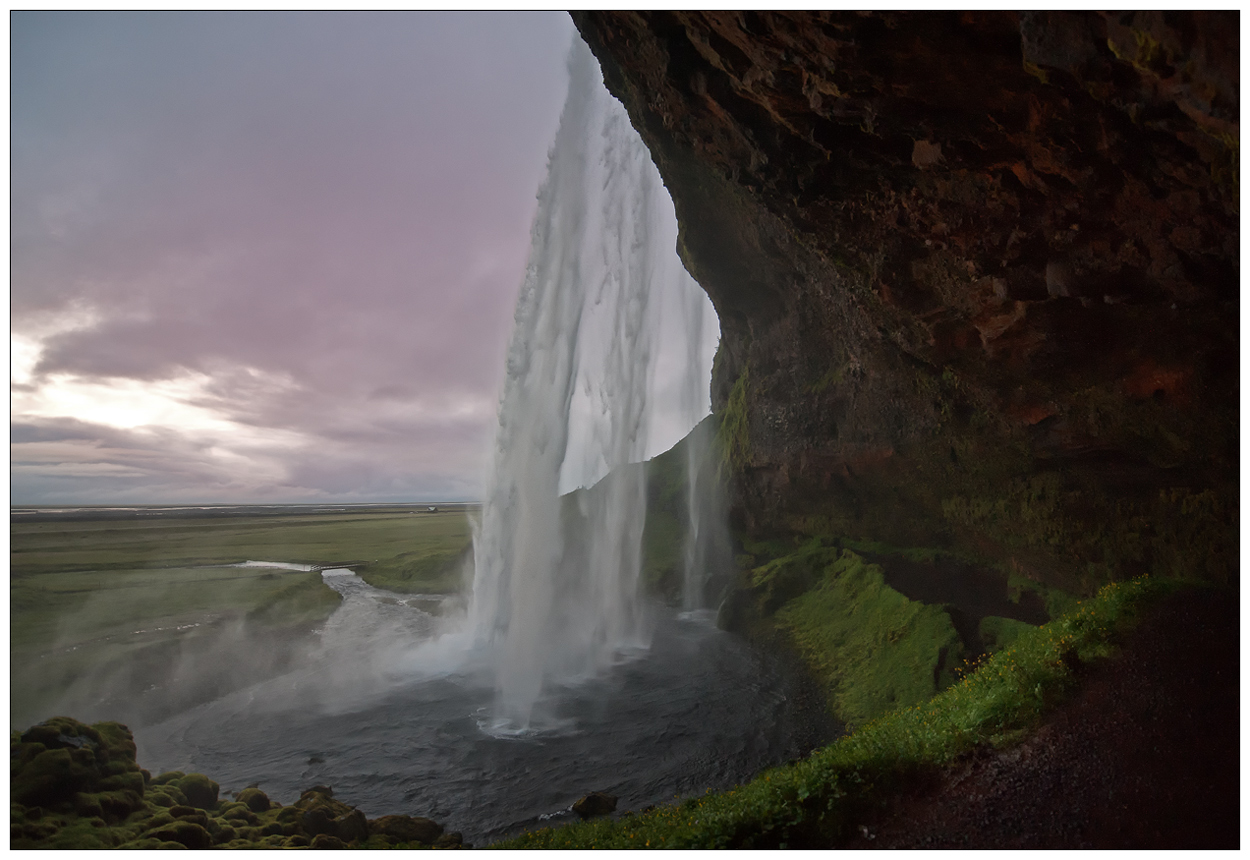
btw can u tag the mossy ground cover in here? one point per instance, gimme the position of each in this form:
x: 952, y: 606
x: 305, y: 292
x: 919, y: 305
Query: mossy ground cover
x: 872, y: 648
x: 818, y: 801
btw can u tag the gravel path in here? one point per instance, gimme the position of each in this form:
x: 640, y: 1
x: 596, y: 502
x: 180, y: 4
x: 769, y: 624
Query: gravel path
x: 1145, y: 756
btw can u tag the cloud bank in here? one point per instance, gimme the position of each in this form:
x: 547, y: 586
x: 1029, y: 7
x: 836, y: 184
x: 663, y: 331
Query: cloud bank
x: 269, y: 256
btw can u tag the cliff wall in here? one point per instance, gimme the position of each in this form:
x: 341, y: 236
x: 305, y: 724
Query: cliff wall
x: 977, y: 273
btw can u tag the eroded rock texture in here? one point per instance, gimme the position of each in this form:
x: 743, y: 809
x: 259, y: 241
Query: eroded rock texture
x: 977, y: 273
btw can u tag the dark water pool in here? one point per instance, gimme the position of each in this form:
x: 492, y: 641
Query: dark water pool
x: 699, y: 710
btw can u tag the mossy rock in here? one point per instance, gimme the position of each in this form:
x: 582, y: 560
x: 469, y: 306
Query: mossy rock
x: 131, y: 781
x: 239, y: 815
x: 255, y: 800
x: 78, y: 787
x: 403, y: 828
x: 199, y: 790
x: 51, y: 777
x: 185, y: 833
x: 166, y: 796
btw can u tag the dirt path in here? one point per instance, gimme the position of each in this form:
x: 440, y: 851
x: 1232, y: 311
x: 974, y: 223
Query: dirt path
x: 1145, y: 756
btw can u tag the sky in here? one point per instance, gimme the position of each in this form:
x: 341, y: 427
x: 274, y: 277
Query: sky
x: 269, y: 257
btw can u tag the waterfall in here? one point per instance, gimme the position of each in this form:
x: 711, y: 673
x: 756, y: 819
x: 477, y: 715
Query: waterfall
x: 556, y: 594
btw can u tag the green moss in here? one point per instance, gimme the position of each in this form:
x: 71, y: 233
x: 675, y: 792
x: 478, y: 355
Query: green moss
x: 733, y: 437
x: 165, y: 795
x: 872, y: 648
x: 998, y: 633
x: 200, y: 791
x: 1057, y: 601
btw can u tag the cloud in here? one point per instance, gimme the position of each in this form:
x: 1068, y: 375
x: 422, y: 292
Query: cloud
x: 269, y: 256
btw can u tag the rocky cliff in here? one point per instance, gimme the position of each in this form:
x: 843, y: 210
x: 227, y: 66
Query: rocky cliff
x: 977, y: 273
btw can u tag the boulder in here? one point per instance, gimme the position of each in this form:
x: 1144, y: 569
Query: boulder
x: 186, y: 833
x: 352, y: 827
x: 452, y: 839
x: 320, y: 814
x: 255, y: 800
x: 199, y: 790
x: 324, y: 842
x: 595, y: 803
x: 166, y: 795
x: 406, y: 828
x: 54, y: 762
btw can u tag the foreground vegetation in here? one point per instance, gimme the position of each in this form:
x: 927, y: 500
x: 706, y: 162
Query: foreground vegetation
x: 818, y: 801
x: 79, y: 787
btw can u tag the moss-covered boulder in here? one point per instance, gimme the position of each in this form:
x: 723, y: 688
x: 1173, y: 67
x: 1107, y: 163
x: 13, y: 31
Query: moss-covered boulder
x: 76, y: 786
x: 200, y: 791
x: 396, y: 829
x: 186, y: 833
x: 66, y: 765
x: 166, y: 795
x: 255, y: 800
x: 321, y: 814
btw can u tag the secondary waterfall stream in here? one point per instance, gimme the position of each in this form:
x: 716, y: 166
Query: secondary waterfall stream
x: 559, y: 676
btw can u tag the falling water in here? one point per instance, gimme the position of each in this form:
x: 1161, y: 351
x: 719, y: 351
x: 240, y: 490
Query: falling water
x: 556, y: 593
x: 391, y: 704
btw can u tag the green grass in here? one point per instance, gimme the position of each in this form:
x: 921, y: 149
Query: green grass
x: 817, y: 802
x: 85, y: 579
x: 998, y: 633
x: 382, y: 541
x: 872, y: 648
x: 97, y: 597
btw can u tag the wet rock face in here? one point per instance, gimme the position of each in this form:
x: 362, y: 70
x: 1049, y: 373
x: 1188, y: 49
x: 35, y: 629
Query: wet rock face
x: 977, y: 273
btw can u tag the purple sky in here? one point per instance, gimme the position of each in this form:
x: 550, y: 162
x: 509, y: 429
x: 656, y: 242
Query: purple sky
x: 269, y: 257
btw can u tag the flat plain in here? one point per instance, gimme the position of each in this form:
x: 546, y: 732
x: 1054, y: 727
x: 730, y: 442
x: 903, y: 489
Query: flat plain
x: 105, y: 612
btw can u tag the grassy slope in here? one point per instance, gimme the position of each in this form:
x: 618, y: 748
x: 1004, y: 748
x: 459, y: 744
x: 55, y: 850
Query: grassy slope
x: 816, y: 802
x: 874, y: 649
